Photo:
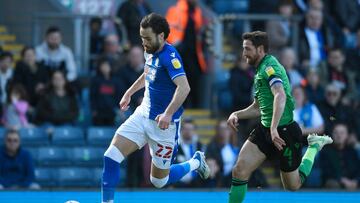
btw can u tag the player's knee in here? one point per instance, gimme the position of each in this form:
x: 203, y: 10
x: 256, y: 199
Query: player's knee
x: 114, y: 153
x: 240, y: 172
x: 159, y: 182
x: 292, y: 187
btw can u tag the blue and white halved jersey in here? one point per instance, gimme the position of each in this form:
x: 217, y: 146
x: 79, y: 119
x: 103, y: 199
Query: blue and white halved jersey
x: 161, y: 69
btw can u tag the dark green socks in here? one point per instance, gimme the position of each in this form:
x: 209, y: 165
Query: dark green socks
x: 237, y: 191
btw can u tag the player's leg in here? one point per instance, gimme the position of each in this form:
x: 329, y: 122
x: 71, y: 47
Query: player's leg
x: 160, y: 177
x: 294, y: 170
x: 250, y: 158
x: 163, y: 148
x: 127, y: 139
x: 119, y: 148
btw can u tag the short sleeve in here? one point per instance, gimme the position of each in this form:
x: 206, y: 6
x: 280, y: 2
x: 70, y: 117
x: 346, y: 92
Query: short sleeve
x: 272, y: 74
x: 174, y: 65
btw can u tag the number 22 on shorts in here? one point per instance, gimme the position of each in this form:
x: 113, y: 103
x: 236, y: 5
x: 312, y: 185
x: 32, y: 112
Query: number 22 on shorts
x: 164, y: 151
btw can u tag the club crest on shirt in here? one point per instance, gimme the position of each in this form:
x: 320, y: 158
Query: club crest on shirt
x: 269, y: 71
x: 176, y: 63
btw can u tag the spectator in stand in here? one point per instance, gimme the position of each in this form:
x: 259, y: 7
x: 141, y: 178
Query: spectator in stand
x: 307, y: 114
x: 17, y: 167
x: 113, y: 53
x: 241, y: 86
x: 315, y: 39
x: 188, y: 145
x: 105, y: 94
x: 186, y: 23
x: 347, y: 15
x: 262, y: 7
x: 279, y: 31
x: 132, y: 71
x: 314, y: 90
x: 131, y: 12
x: 241, y: 83
x: 333, y: 111
x: 16, y: 108
x: 58, y: 105
x: 96, y: 41
x: 31, y: 74
x: 289, y: 60
x: 324, y: 6
x: 96, y: 36
x: 223, y: 152
x: 339, y: 162
x: 353, y: 60
x: 6, y: 74
x: 55, y: 55
x: 336, y: 72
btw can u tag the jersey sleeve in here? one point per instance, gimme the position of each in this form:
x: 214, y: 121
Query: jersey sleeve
x: 272, y: 74
x: 173, y: 65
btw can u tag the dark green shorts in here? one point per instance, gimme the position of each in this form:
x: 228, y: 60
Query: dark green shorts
x: 290, y: 156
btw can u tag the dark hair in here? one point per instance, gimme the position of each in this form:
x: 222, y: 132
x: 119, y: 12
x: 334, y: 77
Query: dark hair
x: 285, y: 3
x: 11, y: 131
x: 340, y: 123
x: 341, y: 50
x: 100, y: 62
x: 258, y: 38
x: 52, y: 29
x: 157, y: 23
x: 25, y: 49
x: 97, y: 20
x: 70, y: 90
x: 6, y: 54
x: 20, y: 89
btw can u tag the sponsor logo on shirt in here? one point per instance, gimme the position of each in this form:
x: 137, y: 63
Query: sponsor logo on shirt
x: 269, y: 71
x: 176, y: 63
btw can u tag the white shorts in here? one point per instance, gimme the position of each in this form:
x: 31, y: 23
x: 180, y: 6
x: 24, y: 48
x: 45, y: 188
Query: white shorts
x: 162, y: 143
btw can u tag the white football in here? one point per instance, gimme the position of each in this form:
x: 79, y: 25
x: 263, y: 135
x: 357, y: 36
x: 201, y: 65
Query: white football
x: 72, y: 201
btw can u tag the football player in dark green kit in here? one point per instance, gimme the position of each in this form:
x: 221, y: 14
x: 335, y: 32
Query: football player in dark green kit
x: 278, y: 136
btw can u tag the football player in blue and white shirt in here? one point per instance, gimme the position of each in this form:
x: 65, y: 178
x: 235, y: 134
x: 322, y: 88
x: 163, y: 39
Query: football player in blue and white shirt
x: 157, y: 120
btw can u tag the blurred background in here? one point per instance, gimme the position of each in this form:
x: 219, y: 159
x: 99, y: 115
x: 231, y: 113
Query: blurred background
x: 64, y: 65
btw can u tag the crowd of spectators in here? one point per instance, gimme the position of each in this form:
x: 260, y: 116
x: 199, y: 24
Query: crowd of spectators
x: 43, y: 88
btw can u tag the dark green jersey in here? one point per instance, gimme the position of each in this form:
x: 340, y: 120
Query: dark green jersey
x: 269, y: 72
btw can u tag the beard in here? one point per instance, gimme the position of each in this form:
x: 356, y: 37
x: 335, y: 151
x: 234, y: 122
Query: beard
x: 153, y: 48
x: 252, y: 60
x: 53, y: 46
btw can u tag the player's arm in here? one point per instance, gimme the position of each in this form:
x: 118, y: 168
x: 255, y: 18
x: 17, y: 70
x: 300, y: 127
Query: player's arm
x: 277, y: 90
x: 136, y: 86
x: 181, y: 92
x: 251, y: 111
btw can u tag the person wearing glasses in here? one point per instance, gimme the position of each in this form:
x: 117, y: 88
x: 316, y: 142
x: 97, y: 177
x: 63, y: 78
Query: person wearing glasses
x: 16, y: 168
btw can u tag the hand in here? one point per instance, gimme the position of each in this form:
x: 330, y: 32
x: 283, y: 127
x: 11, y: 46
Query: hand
x: 163, y: 121
x: 276, y: 139
x: 39, y: 87
x: 233, y: 121
x: 124, y: 102
x: 348, y: 183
